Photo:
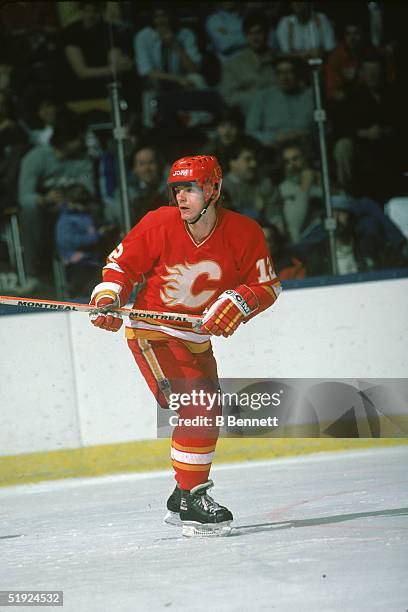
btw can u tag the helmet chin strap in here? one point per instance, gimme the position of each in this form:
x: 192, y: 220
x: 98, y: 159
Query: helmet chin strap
x: 202, y: 213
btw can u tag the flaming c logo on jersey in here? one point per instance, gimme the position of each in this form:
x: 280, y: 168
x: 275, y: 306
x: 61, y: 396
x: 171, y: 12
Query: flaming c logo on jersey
x: 180, y: 280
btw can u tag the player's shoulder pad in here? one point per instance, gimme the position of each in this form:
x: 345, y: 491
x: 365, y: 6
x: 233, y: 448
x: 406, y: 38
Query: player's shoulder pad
x: 242, y: 223
x: 163, y: 216
x: 164, y: 213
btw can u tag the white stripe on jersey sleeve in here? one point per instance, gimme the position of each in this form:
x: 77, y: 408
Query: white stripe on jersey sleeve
x: 113, y: 266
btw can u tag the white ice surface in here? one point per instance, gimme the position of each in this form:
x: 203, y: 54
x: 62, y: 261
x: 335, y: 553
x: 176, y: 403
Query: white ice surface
x: 325, y: 533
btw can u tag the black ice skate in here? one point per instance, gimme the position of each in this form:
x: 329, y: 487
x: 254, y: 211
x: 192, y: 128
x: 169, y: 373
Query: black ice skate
x: 173, y: 508
x: 201, y: 516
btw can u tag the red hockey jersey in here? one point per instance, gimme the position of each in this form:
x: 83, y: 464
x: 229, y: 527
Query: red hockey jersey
x: 182, y: 276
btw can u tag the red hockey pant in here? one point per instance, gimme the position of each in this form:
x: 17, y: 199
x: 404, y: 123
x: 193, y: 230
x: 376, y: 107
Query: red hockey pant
x: 168, y: 366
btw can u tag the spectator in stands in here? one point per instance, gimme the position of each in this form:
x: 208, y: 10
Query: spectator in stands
x: 10, y: 132
x: 147, y: 186
x: 13, y: 145
x: 251, y: 69
x: 166, y: 55
x: 386, y: 23
x: 287, y: 265
x: 224, y: 30
x: 169, y: 60
x: 283, y: 112
x: 344, y: 63
x: 106, y: 153
x: 70, y: 12
x: 369, y: 14
x: 80, y: 244
x: 300, y: 191
x: 251, y: 195
x: 271, y: 12
x: 44, y: 172
x: 370, y: 126
x: 41, y: 117
x: 305, y: 33
x: 30, y: 33
x: 365, y: 239
x: 89, y: 59
x: 228, y: 130
x: 350, y: 253
x: 381, y: 237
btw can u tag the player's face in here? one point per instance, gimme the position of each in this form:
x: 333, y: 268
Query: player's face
x: 190, y: 200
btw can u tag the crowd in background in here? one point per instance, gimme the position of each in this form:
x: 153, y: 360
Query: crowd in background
x: 230, y: 79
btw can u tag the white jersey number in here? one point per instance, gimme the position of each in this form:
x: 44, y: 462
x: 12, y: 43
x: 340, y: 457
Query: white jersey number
x: 116, y: 252
x: 265, y: 270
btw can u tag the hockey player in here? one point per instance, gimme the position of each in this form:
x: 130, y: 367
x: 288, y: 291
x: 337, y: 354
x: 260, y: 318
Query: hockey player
x: 193, y: 257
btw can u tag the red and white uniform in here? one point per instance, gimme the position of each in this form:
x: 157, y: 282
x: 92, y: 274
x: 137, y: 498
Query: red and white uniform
x: 186, y: 277
x: 182, y: 276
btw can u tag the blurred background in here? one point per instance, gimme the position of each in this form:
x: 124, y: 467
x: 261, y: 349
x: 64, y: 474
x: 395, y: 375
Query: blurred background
x: 98, y: 98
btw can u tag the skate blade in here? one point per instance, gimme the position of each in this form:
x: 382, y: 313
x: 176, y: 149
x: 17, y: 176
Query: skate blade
x: 172, y: 518
x: 192, y: 529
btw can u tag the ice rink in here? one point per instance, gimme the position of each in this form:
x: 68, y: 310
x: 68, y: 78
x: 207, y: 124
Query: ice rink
x: 326, y: 532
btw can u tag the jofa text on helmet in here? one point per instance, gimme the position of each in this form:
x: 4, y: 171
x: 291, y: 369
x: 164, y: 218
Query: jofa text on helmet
x: 185, y: 172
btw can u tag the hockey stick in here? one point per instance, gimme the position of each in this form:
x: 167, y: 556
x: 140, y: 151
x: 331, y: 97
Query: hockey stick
x: 132, y: 313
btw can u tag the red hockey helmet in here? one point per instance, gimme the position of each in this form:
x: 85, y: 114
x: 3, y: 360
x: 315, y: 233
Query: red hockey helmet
x: 201, y: 169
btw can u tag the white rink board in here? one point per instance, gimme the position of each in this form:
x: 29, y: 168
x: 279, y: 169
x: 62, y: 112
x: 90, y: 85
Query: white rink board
x: 65, y: 384
x: 355, y: 330
x: 38, y: 408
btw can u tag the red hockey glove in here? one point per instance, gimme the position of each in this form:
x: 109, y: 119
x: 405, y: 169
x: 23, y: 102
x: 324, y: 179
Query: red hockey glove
x: 229, y: 310
x: 104, y: 297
